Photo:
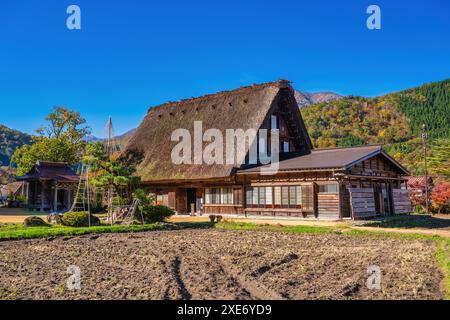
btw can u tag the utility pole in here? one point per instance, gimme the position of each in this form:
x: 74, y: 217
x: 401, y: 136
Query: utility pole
x: 424, y: 142
x: 109, y: 152
x: 109, y: 141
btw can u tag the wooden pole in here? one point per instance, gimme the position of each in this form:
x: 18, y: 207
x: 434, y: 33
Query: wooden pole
x: 28, y: 193
x: 42, y: 196
x: 424, y: 140
x: 55, y: 199
x: 88, y: 196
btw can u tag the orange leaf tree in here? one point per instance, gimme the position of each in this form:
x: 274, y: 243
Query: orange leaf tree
x: 441, y: 196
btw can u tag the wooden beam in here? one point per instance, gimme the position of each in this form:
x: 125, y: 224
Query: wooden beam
x: 55, y: 200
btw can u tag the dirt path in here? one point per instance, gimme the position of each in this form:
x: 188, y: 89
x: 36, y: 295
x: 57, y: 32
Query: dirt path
x: 219, y: 264
x: 16, y: 215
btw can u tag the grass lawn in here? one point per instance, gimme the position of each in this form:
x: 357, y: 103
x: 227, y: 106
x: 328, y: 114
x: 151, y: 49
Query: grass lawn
x: 17, y: 232
x: 413, y: 221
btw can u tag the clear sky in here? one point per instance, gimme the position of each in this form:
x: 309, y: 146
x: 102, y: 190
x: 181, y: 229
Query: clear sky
x: 132, y: 54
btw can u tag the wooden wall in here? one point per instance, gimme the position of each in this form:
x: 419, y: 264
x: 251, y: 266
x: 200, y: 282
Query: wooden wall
x: 344, y: 201
x: 362, y: 201
x: 181, y: 200
x: 402, y: 201
x: 328, y: 205
x: 222, y: 209
x: 376, y: 166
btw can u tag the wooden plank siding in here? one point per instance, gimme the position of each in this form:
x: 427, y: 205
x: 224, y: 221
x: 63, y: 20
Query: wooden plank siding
x: 328, y: 205
x: 344, y: 202
x: 402, y: 201
x: 181, y: 200
x: 222, y: 209
x: 362, y: 201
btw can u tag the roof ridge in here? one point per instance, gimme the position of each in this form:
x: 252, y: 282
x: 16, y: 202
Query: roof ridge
x: 281, y: 83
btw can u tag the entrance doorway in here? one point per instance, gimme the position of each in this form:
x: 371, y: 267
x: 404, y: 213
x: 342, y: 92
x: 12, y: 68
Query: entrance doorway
x: 191, y: 195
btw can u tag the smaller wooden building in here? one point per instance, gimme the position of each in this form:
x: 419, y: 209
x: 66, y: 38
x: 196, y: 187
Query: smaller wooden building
x: 51, y: 186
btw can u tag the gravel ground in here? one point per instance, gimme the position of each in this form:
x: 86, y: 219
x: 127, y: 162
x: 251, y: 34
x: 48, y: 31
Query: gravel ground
x: 219, y: 264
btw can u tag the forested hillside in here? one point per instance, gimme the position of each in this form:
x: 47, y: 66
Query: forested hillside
x: 394, y: 120
x: 9, y: 141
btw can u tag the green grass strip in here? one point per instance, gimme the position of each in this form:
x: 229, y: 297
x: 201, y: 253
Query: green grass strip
x: 18, y: 232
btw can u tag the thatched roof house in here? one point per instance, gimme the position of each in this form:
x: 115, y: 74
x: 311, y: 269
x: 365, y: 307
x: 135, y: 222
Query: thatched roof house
x: 244, y: 108
x: 333, y: 183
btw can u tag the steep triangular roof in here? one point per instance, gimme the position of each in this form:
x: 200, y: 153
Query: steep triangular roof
x: 243, y: 108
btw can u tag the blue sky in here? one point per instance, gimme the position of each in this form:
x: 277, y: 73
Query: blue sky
x: 130, y: 55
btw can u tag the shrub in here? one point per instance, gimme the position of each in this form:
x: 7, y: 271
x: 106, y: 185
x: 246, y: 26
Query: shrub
x: 34, y: 222
x: 21, y: 199
x: 153, y: 214
x: 144, y: 198
x: 79, y: 219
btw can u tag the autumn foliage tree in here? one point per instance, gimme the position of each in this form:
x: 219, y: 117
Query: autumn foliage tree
x: 440, y: 196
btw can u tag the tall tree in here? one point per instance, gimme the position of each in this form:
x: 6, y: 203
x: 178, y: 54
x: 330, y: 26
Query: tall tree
x: 60, y: 141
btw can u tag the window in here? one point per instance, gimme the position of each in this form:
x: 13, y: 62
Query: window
x: 262, y: 196
x: 218, y: 196
x: 277, y: 195
x: 298, y: 191
x: 274, y: 122
x: 328, y: 188
x: 207, y: 195
x: 227, y: 195
x: 269, y: 195
x: 248, y: 196
x: 285, y: 196
x: 274, y: 197
x: 162, y: 199
x: 255, y: 200
x: 292, y: 196
x: 285, y: 146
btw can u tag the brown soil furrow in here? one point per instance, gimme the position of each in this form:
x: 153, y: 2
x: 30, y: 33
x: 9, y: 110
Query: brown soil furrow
x: 256, y: 289
x: 185, y: 295
x: 188, y: 264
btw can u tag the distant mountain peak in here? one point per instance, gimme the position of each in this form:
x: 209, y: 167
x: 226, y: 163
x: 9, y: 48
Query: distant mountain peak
x: 306, y: 98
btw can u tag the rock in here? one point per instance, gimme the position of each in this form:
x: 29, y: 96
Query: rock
x: 34, y: 222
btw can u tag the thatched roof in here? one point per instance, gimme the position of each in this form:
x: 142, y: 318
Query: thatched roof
x: 244, y: 108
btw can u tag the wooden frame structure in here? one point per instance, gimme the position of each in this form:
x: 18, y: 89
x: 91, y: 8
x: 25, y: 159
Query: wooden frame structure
x: 51, y: 186
x: 341, y: 183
